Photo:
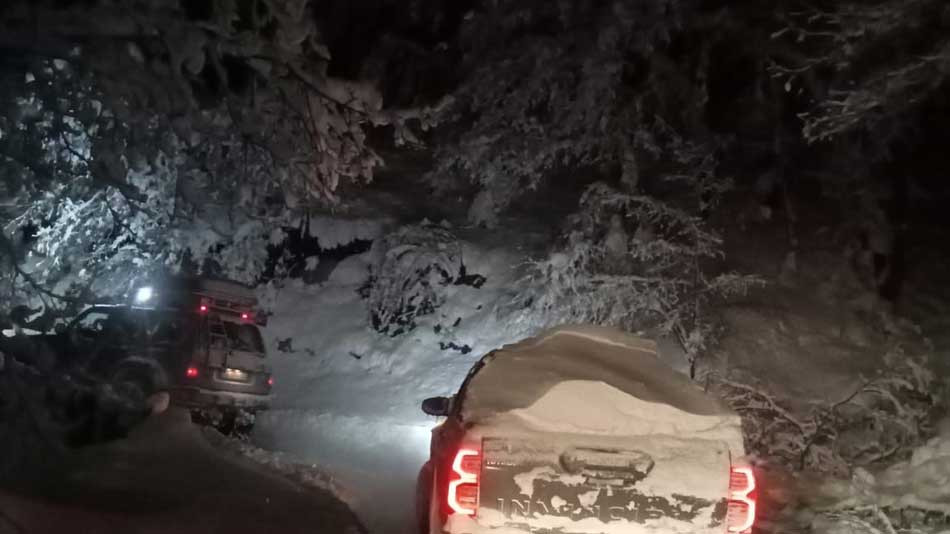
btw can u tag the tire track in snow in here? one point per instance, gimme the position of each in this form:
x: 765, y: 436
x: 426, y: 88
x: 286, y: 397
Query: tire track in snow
x: 377, y: 459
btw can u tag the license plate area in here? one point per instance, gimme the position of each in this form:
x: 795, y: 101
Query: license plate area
x: 234, y: 375
x: 243, y: 361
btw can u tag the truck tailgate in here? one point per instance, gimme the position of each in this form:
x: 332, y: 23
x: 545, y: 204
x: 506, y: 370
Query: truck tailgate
x: 565, y: 484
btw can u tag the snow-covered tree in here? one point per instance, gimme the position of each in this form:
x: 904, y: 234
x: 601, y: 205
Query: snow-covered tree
x: 607, y: 92
x: 137, y: 135
x: 876, y: 62
x: 866, y: 76
x: 633, y: 261
x: 554, y: 86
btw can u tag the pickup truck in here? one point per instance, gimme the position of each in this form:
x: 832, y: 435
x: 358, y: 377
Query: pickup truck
x: 583, y: 429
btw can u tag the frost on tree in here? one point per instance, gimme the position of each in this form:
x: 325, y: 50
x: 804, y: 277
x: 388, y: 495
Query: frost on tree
x: 134, y: 139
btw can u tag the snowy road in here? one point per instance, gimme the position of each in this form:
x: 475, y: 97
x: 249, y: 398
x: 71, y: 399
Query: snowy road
x: 376, y: 460
x: 166, y: 478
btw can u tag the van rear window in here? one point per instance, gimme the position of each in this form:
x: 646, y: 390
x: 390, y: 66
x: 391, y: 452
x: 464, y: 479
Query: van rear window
x: 244, y: 337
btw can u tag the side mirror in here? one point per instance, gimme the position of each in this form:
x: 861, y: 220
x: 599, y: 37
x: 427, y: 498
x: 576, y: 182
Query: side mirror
x: 437, y: 405
x: 60, y: 329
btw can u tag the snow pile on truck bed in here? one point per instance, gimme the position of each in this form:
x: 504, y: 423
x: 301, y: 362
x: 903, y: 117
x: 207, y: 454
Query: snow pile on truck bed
x: 584, y: 407
x: 517, y: 375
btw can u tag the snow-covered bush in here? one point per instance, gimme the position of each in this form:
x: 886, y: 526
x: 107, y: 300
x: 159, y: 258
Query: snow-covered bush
x: 883, y: 419
x: 633, y: 261
x: 415, y: 265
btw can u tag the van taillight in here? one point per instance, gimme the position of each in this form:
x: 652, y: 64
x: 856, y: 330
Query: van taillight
x: 463, y: 485
x: 191, y: 372
x: 740, y: 514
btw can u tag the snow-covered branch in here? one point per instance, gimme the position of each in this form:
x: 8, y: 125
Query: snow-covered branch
x: 867, y: 90
x: 536, y: 103
x: 141, y: 136
x: 883, y: 417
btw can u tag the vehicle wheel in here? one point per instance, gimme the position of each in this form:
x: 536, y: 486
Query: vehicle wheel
x: 206, y: 416
x: 107, y: 411
x: 423, y: 498
x: 158, y: 402
x: 133, y: 385
x: 228, y: 422
x: 244, y: 423
x: 221, y: 419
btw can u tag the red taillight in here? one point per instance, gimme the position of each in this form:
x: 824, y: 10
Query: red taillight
x: 463, y: 487
x: 191, y: 372
x: 245, y: 316
x: 202, y: 308
x: 741, y: 511
x: 270, y: 381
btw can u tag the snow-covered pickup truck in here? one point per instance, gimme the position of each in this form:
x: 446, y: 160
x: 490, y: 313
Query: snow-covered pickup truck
x: 583, y: 429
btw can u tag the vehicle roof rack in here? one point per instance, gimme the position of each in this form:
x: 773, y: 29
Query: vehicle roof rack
x: 222, y: 296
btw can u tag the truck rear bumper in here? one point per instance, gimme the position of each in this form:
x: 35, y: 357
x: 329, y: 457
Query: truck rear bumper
x: 203, y: 398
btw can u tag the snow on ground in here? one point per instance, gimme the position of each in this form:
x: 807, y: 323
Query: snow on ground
x: 309, y: 475
x: 912, y: 495
x: 348, y: 398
